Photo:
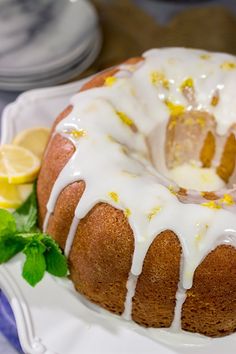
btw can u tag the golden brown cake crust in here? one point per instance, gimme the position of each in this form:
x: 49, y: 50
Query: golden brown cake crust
x: 60, y: 221
x: 101, y: 257
x: 99, y: 80
x: 101, y: 254
x: 210, y: 307
x: 154, y: 300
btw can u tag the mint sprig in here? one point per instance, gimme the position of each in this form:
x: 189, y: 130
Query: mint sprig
x: 10, y: 245
x: 35, y: 264
x: 56, y: 262
x: 19, y: 233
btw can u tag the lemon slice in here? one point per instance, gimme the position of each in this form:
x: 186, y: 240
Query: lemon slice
x: 17, y: 165
x: 34, y: 139
x: 12, y: 195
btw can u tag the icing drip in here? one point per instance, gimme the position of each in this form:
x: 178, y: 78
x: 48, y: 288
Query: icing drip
x: 70, y: 236
x: 180, y: 298
x: 131, y: 286
x: 110, y: 126
x: 46, y: 220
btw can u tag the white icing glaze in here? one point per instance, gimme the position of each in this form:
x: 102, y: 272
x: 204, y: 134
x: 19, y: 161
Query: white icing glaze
x: 70, y: 236
x: 46, y: 220
x: 191, y: 176
x: 180, y: 298
x: 131, y: 286
x: 113, y: 159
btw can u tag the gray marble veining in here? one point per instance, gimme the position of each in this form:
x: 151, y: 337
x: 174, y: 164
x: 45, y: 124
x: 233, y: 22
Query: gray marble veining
x: 39, y: 35
x: 20, y: 22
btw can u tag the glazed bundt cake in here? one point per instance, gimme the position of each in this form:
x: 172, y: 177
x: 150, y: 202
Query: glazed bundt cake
x: 137, y: 187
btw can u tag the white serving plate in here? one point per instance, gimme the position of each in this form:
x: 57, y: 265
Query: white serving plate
x: 52, y: 318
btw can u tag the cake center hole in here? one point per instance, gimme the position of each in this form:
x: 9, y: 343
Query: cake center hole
x: 192, y: 176
x: 189, y: 154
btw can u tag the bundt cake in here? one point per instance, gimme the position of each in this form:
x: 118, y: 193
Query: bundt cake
x: 137, y: 187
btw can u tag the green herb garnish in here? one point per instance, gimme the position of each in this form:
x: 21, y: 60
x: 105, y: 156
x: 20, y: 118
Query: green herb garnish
x: 19, y: 233
x: 27, y: 214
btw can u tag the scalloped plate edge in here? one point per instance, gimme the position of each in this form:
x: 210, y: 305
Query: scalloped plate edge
x: 13, y: 120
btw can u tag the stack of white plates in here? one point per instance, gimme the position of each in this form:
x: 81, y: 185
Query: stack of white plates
x: 46, y: 42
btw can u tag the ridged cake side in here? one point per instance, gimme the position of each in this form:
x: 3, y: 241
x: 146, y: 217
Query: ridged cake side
x: 101, y: 256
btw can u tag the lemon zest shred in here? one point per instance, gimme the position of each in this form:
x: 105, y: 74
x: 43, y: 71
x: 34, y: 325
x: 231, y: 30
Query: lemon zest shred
x: 215, y: 100
x: 228, y: 65
x: 114, y: 196
x: 127, y: 212
x: 110, y: 81
x: 124, y: 149
x: 76, y: 133
x: 201, y: 121
x: 227, y: 199
x: 124, y: 118
x: 111, y: 138
x: 157, y: 78
x: 175, y: 109
x: 172, y: 189
x: 188, y: 83
x: 201, y: 233
x: 153, y: 212
x: 212, y: 205
x: 205, y: 56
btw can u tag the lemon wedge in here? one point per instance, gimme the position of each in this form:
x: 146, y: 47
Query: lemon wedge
x: 17, y: 165
x: 34, y: 139
x: 12, y: 195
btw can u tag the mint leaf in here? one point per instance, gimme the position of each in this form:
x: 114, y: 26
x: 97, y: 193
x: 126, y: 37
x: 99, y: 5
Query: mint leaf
x: 26, y: 215
x: 19, y: 233
x: 56, y: 262
x: 7, y: 223
x: 10, y: 245
x: 35, y: 265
